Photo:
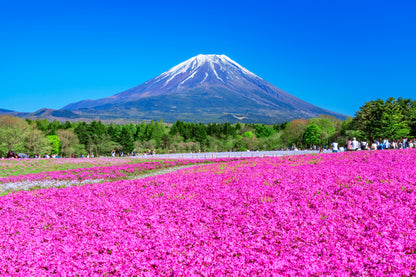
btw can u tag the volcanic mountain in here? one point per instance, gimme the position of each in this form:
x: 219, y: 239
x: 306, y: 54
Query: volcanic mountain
x: 205, y: 88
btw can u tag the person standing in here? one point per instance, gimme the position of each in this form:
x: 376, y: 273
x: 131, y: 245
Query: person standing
x: 348, y: 145
x: 334, y: 147
x: 404, y: 142
x: 364, y: 145
x: 386, y: 144
x: 355, y: 144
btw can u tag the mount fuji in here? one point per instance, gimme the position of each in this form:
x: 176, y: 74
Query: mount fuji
x: 205, y: 88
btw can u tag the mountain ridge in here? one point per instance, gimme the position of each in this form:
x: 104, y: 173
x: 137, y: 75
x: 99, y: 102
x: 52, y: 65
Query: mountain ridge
x: 214, y: 79
x: 204, y: 88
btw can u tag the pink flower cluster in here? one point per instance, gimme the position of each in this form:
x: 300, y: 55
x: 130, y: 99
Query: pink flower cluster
x: 347, y: 214
x: 9, y: 166
x: 103, y: 172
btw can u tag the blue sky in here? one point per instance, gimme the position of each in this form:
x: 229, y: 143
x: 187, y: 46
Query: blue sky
x: 334, y: 54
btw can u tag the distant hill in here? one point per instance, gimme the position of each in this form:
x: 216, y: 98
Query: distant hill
x: 3, y: 111
x: 49, y: 114
x: 10, y: 112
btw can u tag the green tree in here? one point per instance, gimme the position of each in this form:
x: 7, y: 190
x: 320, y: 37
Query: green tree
x: 214, y: 144
x: 166, y: 140
x: 53, y: 127
x: 327, y: 127
x: 248, y: 134
x: 263, y: 131
x: 237, y: 127
x: 177, y: 128
x: 280, y: 127
x: 293, y: 134
x: 229, y: 143
x: 273, y: 142
x: 140, y: 132
x: 101, y: 145
x: 156, y: 131
x: 116, y: 133
x: 36, y: 143
x: 55, y: 143
x: 69, y: 143
x: 228, y: 130
x: 369, y: 119
x: 408, y: 107
x: 240, y: 144
x: 313, y: 135
x: 99, y: 142
x: 13, y: 133
x: 214, y: 130
x: 390, y: 119
x: 394, y: 126
x: 83, y: 133
x: 67, y: 125
x: 251, y: 142
x: 42, y: 124
x: 200, y: 134
x: 98, y: 127
x: 127, y: 139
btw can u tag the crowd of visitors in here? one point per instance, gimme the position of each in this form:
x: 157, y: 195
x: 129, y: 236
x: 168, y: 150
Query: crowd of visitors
x: 355, y: 145
x: 12, y: 155
x: 350, y: 145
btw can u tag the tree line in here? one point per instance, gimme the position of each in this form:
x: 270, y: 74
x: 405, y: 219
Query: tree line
x: 377, y: 119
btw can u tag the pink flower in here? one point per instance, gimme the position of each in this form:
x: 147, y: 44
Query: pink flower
x: 329, y: 214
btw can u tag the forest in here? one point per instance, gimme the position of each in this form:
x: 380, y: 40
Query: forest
x: 391, y: 119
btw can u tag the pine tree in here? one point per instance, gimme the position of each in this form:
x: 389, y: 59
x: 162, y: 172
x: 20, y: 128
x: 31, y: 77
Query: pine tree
x: 127, y: 139
x: 394, y: 126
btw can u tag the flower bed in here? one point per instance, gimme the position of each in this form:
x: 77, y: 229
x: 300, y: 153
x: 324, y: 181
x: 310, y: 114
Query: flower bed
x: 78, y: 176
x: 330, y: 214
x: 11, y: 167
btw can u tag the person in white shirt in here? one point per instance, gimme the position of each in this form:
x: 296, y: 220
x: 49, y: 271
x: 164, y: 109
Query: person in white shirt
x: 334, y: 147
x: 364, y: 145
x: 355, y: 144
x: 386, y: 144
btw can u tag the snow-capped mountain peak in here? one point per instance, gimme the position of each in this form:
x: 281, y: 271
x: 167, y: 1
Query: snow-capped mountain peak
x: 203, y: 88
x: 219, y: 66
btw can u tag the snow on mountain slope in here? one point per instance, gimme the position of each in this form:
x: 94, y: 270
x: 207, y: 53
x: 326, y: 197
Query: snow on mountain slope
x: 190, y: 67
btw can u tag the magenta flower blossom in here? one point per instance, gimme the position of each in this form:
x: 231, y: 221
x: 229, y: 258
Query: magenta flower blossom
x: 347, y: 214
x: 90, y: 174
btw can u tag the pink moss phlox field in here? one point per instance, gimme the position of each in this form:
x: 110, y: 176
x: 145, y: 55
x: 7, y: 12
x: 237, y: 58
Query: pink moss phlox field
x: 13, y: 166
x: 103, y: 172
x: 346, y: 214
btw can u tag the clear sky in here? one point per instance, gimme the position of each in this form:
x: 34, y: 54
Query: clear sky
x: 334, y: 54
